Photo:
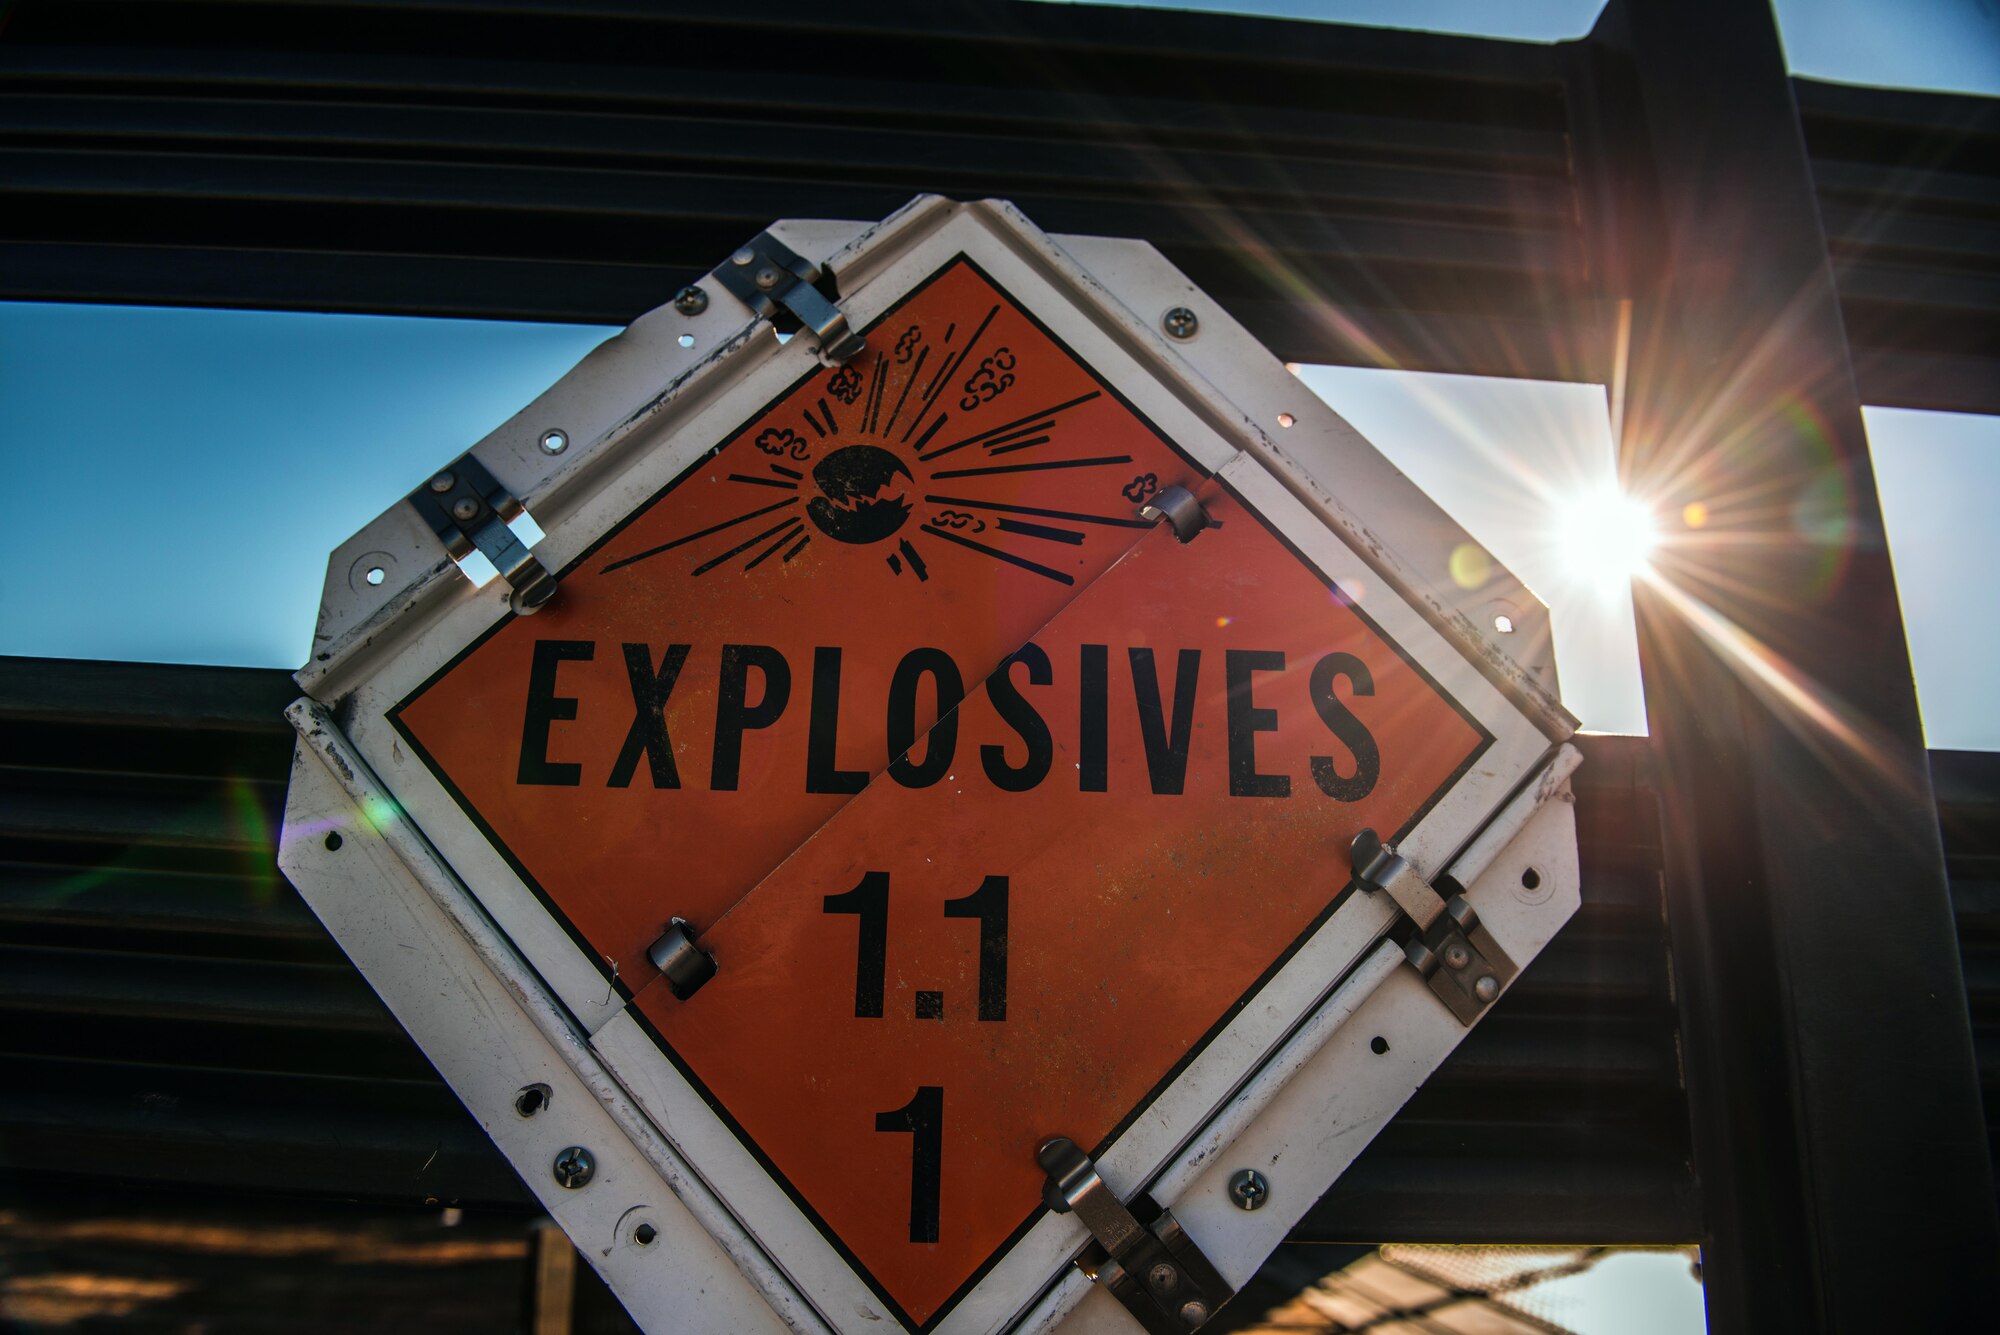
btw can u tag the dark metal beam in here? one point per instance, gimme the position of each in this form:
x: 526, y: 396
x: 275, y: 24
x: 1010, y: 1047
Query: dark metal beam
x: 1836, y: 1115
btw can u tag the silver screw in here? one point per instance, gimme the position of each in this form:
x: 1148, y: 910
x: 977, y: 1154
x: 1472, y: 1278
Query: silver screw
x: 1180, y: 322
x: 574, y: 1167
x: 464, y: 508
x: 691, y: 301
x: 1486, y: 988
x: 443, y: 483
x: 1193, y: 1313
x: 1164, y: 1277
x: 1457, y: 956
x: 554, y: 442
x: 1249, y: 1189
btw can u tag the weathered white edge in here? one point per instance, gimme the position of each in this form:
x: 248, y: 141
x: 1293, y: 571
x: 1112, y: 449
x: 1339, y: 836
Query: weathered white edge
x: 1315, y: 1124
x: 491, y: 1028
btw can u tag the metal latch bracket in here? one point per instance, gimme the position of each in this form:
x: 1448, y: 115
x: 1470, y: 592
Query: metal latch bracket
x: 767, y: 275
x: 1148, y: 1263
x: 470, y: 511
x: 1180, y: 510
x: 1452, y: 949
x: 685, y: 965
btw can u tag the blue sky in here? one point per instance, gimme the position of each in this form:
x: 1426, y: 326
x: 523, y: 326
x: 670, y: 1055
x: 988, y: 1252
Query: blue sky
x: 195, y: 467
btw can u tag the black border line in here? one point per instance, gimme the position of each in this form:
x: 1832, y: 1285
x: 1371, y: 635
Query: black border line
x: 394, y: 717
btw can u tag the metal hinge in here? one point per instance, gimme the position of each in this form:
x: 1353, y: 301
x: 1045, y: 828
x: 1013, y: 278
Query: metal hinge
x: 469, y: 511
x: 768, y: 275
x: 1150, y: 1265
x: 1452, y: 949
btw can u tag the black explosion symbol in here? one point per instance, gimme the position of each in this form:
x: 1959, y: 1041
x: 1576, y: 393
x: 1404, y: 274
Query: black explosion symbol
x: 860, y: 500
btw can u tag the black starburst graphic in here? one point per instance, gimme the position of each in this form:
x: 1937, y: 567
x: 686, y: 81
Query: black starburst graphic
x: 861, y: 483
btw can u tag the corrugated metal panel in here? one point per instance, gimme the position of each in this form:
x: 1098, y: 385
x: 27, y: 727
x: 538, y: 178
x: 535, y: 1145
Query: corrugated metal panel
x: 580, y: 163
x: 170, y: 1012
x: 1909, y: 189
x: 1354, y: 195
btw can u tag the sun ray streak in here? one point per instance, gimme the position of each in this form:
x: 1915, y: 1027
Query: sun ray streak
x: 1008, y: 428
x: 1071, y: 515
x: 744, y: 546
x: 713, y: 528
x: 1045, y: 466
x: 924, y: 439
x: 1029, y: 443
x: 908, y: 381
x: 950, y: 367
x: 1073, y: 537
x: 791, y: 531
x: 994, y: 552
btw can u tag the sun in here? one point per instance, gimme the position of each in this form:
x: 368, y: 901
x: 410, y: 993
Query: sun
x: 1606, y: 538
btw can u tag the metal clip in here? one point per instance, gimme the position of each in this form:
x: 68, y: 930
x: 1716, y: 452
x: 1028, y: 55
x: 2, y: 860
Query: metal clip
x: 768, y: 274
x: 1452, y: 950
x: 685, y: 965
x: 1152, y: 1267
x: 469, y: 511
x: 1179, y: 508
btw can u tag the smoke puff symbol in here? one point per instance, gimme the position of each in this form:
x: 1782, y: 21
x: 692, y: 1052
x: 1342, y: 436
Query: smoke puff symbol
x: 859, y: 500
x: 779, y: 441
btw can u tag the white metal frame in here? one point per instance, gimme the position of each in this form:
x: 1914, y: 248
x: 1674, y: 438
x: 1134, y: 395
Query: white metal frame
x: 635, y: 413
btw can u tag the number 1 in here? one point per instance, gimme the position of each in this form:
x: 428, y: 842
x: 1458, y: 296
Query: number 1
x: 923, y: 1118
x: 869, y: 899
x: 988, y: 904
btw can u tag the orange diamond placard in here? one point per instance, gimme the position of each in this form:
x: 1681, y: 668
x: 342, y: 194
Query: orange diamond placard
x: 992, y: 802
x: 720, y: 672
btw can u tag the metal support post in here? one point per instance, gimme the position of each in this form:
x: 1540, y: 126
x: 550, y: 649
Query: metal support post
x: 1835, y: 1106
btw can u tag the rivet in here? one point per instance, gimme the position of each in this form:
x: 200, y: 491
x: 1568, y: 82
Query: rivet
x: 1180, y: 322
x: 744, y: 258
x: 1193, y: 1313
x: 574, y: 1167
x: 1249, y: 1189
x: 464, y: 508
x: 1164, y: 1277
x: 765, y: 278
x: 443, y: 483
x: 1457, y: 956
x: 691, y: 300
x: 1486, y: 988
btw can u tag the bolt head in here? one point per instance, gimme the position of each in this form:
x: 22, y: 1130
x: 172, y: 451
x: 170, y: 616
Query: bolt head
x: 1193, y: 1313
x: 1164, y: 1277
x: 1486, y: 988
x: 574, y: 1167
x: 1180, y: 322
x: 1457, y: 956
x: 1249, y: 1189
x: 691, y: 300
x: 744, y: 258
x: 443, y: 483
x: 464, y: 508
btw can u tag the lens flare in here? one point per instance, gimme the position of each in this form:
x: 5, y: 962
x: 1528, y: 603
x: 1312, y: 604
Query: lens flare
x: 1607, y: 538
